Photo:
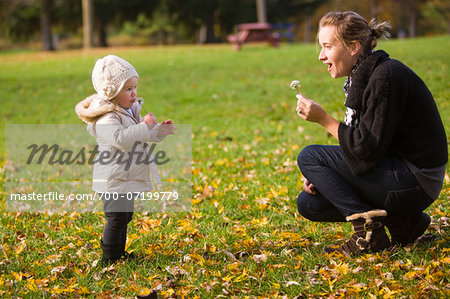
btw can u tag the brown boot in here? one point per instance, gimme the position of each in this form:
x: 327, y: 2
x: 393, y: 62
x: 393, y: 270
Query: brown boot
x: 369, y: 234
x: 405, y: 229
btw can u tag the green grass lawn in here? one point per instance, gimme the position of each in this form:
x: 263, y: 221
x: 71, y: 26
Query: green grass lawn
x: 243, y: 236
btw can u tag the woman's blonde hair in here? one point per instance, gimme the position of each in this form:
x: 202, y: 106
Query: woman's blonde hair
x: 351, y: 27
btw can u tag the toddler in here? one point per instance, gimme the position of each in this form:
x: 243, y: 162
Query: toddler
x: 113, y: 118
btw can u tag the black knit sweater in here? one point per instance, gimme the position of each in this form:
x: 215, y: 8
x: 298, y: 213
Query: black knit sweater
x: 398, y: 116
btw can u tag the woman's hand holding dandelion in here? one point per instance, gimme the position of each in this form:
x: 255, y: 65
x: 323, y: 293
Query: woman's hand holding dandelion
x: 311, y: 111
x: 306, y: 108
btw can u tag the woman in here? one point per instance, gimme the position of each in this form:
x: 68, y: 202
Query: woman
x: 390, y: 162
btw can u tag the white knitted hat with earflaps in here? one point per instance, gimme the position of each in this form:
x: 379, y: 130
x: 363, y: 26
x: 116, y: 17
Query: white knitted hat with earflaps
x: 110, y: 74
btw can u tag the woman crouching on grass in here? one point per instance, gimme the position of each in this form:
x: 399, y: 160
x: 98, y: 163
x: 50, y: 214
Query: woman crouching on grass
x: 113, y: 118
x: 390, y: 162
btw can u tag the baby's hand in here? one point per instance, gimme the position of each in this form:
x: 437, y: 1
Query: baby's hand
x: 166, y: 128
x: 167, y: 122
x: 150, y: 119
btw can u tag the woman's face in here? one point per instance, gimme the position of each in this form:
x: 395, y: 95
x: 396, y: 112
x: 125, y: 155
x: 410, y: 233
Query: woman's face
x: 340, y: 59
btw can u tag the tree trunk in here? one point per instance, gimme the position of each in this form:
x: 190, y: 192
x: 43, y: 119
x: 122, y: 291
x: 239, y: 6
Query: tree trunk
x: 308, y: 28
x: 46, y: 32
x: 374, y: 8
x: 210, y: 22
x: 162, y: 36
x: 102, y: 33
x: 88, y: 16
x: 261, y: 11
x: 412, y: 9
x: 202, y: 34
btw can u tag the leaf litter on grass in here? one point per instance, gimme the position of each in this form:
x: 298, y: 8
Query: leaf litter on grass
x: 243, y: 236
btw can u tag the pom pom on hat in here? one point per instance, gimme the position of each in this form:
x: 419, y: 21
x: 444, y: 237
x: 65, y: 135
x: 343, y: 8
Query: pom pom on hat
x: 110, y: 74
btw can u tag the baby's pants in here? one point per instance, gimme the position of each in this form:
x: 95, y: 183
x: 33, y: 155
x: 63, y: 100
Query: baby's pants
x: 115, y: 232
x: 118, y: 212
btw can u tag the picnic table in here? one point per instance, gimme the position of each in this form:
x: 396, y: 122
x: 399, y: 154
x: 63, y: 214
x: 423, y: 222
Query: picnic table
x: 252, y: 32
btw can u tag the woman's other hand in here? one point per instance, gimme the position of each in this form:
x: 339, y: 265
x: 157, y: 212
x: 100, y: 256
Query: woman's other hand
x: 309, y: 187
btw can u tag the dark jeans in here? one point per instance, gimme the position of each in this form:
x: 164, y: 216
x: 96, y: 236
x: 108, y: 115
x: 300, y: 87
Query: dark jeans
x: 118, y: 213
x: 391, y: 187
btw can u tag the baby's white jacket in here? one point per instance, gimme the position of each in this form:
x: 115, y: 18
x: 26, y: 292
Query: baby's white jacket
x: 120, y: 139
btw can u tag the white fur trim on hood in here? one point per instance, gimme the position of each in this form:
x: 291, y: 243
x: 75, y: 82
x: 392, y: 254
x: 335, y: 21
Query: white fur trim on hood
x: 93, y: 107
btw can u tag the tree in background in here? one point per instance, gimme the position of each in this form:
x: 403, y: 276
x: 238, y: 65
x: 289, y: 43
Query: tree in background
x: 172, y: 21
x: 261, y: 11
x: 278, y: 11
x: 412, y: 11
x: 296, y: 12
x: 308, y: 8
x: 109, y: 14
x: 88, y: 23
x: 437, y: 16
x: 408, y: 17
x: 199, y: 16
x: 161, y: 24
x: 18, y: 19
x: 46, y: 28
